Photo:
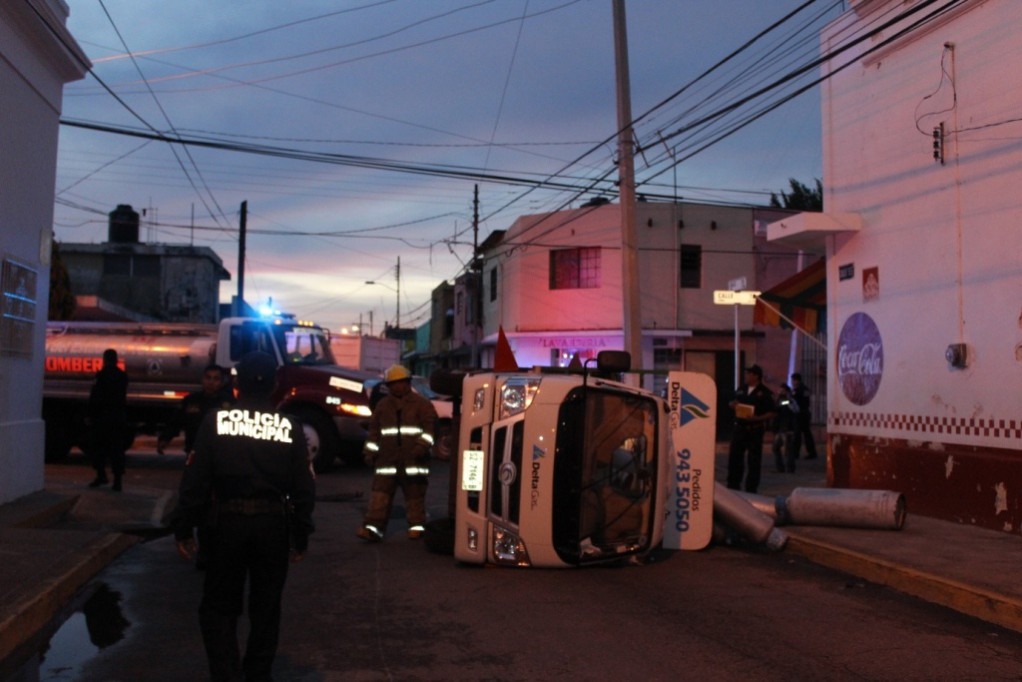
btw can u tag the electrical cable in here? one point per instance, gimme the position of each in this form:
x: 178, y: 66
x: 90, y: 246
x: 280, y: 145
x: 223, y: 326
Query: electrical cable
x: 166, y: 117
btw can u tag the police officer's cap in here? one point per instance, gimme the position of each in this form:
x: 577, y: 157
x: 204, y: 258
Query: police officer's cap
x: 257, y: 373
x: 755, y: 369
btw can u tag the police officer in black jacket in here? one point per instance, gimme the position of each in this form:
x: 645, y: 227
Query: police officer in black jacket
x: 754, y: 409
x: 215, y: 393
x: 251, y: 462
x: 111, y: 434
x: 803, y: 426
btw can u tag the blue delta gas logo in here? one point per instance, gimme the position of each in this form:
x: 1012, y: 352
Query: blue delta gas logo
x: 692, y: 408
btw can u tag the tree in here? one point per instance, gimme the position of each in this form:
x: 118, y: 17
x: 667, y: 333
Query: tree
x: 62, y: 300
x: 801, y: 197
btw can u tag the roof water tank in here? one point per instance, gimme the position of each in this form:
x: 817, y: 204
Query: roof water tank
x: 123, y: 225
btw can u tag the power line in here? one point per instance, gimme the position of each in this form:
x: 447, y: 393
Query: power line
x: 166, y: 117
x: 441, y: 170
x: 352, y: 60
x: 250, y: 34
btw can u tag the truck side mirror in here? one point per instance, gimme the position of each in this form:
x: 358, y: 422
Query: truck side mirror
x: 447, y: 382
x: 613, y: 361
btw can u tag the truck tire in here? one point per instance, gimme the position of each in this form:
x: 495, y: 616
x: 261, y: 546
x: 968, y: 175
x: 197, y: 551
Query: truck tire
x: 64, y: 428
x: 439, y: 536
x: 351, y: 452
x: 58, y: 442
x: 444, y: 442
x: 321, y: 439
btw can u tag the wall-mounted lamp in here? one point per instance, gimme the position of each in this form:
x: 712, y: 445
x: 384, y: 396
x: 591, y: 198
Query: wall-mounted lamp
x: 713, y: 224
x: 681, y: 224
x: 649, y: 222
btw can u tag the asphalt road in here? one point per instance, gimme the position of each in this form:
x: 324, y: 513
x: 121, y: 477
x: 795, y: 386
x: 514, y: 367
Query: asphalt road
x: 394, y: 611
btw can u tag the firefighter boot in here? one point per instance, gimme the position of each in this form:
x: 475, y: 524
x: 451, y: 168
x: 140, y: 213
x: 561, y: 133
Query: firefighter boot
x: 369, y: 534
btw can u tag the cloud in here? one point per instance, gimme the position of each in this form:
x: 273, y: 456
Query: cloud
x: 430, y: 84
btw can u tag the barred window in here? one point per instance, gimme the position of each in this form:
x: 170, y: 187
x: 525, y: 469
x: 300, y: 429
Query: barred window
x: 575, y: 268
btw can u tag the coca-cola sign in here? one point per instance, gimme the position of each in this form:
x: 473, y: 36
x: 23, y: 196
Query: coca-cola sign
x: 860, y: 358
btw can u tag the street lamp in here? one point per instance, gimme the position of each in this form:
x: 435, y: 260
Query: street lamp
x: 357, y: 328
x: 397, y: 277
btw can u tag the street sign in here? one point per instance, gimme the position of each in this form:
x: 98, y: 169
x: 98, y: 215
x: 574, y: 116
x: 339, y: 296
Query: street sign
x: 722, y: 297
x: 737, y: 284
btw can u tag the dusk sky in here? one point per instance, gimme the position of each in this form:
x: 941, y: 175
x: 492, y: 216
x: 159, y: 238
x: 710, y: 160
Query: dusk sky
x: 376, y: 119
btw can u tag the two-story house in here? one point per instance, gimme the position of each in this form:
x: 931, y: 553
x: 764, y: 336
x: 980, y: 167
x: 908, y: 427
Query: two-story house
x: 553, y: 283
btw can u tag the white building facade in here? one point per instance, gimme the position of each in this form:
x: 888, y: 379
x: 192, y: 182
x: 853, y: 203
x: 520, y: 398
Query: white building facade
x: 37, y: 57
x: 922, y: 161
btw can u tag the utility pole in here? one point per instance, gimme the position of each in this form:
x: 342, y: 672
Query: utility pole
x: 476, y: 272
x: 397, y: 276
x: 626, y: 173
x: 242, y: 222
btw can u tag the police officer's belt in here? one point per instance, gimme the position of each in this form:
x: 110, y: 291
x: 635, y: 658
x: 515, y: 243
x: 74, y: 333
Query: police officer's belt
x: 251, y: 507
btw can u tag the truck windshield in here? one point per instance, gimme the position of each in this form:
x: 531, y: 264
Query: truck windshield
x: 304, y: 345
x: 605, y: 475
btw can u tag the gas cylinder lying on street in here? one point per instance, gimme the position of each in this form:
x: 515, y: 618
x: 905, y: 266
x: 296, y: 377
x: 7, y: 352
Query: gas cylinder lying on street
x: 844, y: 507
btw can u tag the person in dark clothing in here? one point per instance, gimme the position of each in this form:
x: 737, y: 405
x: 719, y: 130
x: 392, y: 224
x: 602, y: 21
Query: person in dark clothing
x: 784, y: 430
x: 215, y: 393
x: 110, y: 434
x: 803, y: 426
x: 251, y: 461
x: 376, y: 394
x: 754, y: 408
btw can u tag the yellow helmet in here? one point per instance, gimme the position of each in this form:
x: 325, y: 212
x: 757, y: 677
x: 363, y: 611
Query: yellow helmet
x: 396, y: 373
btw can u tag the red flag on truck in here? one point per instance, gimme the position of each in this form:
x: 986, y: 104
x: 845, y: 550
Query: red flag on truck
x: 504, y: 357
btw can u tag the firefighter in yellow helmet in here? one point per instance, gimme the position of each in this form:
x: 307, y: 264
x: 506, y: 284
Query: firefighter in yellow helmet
x: 398, y: 448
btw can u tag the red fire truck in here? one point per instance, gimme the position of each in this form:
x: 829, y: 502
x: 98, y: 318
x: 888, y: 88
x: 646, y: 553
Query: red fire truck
x: 165, y: 361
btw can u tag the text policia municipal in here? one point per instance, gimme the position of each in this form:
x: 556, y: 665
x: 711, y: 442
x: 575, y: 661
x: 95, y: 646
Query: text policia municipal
x: 258, y: 425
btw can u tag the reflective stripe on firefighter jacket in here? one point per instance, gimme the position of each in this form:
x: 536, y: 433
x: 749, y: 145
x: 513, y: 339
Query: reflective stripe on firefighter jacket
x: 401, y: 435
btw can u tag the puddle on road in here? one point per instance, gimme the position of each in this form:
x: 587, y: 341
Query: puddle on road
x: 97, y: 625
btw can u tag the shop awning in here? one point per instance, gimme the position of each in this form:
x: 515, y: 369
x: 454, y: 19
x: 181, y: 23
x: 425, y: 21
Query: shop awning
x: 799, y: 301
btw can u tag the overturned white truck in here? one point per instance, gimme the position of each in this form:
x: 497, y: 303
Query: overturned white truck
x: 560, y: 468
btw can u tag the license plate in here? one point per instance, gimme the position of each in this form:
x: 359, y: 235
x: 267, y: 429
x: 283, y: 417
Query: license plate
x: 472, y: 470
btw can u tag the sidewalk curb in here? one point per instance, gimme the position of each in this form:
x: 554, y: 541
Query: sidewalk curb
x: 986, y: 605
x: 23, y: 620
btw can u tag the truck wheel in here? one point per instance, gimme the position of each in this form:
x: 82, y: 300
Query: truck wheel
x: 58, y: 442
x: 63, y: 430
x: 444, y: 441
x: 439, y: 536
x: 351, y: 452
x: 321, y: 440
